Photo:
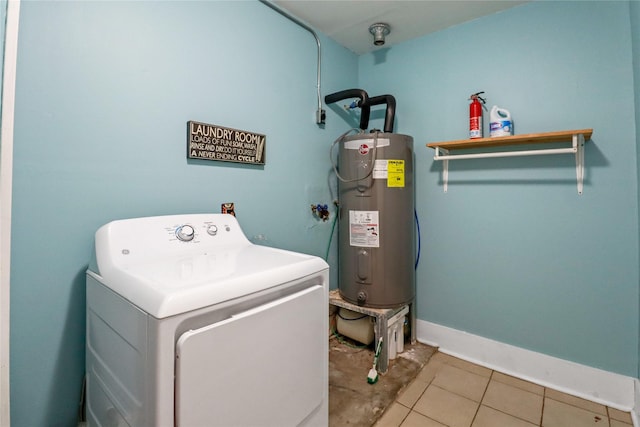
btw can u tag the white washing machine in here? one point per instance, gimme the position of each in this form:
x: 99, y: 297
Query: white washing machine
x: 190, y: 324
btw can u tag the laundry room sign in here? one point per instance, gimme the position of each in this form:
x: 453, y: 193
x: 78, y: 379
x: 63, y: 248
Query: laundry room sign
x: 212, y: 142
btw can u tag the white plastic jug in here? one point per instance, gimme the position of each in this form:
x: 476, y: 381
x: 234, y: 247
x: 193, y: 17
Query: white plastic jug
x: 500, y: 122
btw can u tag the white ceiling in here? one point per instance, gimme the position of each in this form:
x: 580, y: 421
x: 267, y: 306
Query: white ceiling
x: 347, y: 21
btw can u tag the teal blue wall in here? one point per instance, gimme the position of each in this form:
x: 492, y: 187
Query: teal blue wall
x: 511, y: 252
x: 104, y: 91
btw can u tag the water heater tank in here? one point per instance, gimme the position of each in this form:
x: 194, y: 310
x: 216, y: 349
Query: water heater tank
x: 376, y: 223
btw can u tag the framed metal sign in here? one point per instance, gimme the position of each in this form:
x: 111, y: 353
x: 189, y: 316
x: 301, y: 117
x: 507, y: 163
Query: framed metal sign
x: 212, y: 142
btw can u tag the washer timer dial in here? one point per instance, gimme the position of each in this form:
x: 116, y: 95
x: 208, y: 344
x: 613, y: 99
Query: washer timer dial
x: 185, y: 233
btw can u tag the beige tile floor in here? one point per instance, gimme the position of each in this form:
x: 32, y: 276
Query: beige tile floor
x: 449, y: 392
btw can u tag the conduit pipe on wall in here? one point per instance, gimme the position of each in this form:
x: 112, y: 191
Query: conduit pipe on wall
x: 320, y: 113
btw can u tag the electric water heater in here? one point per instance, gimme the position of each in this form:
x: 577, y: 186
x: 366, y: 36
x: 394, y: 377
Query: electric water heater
x: 376, y: 222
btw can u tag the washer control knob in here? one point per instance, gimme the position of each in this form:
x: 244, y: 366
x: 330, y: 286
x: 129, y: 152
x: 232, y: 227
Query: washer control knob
x: 212, y: 230
x: 186, y: 233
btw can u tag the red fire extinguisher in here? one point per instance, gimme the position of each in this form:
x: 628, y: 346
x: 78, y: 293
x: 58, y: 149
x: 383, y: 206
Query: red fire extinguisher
x: 475, y: 115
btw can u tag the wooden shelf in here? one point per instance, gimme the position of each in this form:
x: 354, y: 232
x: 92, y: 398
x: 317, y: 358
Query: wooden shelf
x: 514, y: 140
x: 576, y: 138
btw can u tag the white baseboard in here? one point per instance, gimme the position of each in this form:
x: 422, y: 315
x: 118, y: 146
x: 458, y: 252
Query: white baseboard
x: 607, y: 388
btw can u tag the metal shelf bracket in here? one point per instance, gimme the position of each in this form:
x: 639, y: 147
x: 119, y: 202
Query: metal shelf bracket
x: 578, y: 144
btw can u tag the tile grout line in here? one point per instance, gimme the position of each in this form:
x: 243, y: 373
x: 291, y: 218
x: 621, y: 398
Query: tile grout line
x: 545, y: 395
x: 507, y: 413
x: 493, y: 376
x: 420, y: 396
x: 482, y: 398
x: 544, y: 399
x: 575, y: 405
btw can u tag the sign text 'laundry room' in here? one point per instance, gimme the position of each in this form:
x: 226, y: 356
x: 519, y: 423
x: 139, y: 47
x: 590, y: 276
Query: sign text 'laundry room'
x: 212, y: 142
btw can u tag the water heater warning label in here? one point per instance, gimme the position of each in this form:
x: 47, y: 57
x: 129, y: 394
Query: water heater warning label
x: 395, y: 171
x: 364, y: 229
x: 391, y: 170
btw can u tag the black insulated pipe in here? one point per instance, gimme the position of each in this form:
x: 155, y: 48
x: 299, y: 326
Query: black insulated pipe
x: 363, y: 104
x: 390, y: 113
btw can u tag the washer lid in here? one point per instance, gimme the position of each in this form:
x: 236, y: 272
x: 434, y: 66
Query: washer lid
x: 165, y: 277
x: 170, y: 286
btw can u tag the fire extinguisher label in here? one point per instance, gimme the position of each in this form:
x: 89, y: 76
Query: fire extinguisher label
x: 364, y: 229
x: 475, y: 127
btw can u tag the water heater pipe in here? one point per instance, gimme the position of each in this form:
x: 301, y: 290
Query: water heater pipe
x: 320, y: 113
x: 390, y: 113
x: 353, y: 93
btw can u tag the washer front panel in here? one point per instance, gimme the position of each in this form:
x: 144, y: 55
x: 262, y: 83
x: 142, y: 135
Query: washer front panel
x: 268, y: 359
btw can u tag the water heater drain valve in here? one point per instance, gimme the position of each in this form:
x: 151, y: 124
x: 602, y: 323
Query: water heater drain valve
x: 362, y: 297
x: 321, y: 211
